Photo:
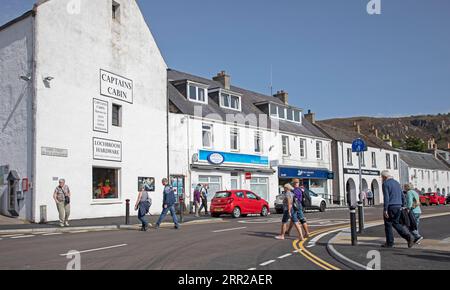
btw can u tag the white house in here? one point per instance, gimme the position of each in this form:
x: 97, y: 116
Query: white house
x: 83, y: 97
x: 426, y: 172
x: 378, y: 157
x: 231, y: 138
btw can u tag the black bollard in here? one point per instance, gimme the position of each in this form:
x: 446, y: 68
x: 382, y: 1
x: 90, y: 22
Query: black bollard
x: 360, y: 217
x: 353, y: 226
x: 127, y: 212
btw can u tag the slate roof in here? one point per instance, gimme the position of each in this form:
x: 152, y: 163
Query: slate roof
x: 422, y: 160
x: 348, y: 136
x: 248, y: 100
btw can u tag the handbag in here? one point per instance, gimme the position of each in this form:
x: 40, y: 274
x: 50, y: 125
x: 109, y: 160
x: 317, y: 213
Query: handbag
x: 66, y: 197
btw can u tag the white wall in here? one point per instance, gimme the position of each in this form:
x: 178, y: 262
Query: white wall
x: 72, y: 48
x: 16, y: 58
x: 439, y: 179
x: 381, y: 165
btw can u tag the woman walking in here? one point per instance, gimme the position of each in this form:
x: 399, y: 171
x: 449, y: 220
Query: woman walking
x: 143, y: 204
x: 289, y: 213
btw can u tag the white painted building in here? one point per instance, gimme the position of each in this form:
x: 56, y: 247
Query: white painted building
x: 426, y: 172
x: 378, y: 157
x: 84, y: 98
x: 231, y: 138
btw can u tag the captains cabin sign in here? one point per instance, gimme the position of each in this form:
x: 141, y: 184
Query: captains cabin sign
x: 115, y: 86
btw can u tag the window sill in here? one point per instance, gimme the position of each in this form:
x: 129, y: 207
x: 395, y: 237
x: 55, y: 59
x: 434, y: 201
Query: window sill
x: 106, y: 202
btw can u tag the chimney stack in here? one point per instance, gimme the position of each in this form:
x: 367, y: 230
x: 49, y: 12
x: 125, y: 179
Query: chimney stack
x: 283, y: 96
x: 311, y: 117
x: 375, y: 132
x: 431, y: 143
x: 357, y: 127
x: 224, y: 79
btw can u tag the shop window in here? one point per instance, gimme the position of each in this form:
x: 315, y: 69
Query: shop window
x: 105, y: 183
x: 212, y: 183
x: 260, y: 186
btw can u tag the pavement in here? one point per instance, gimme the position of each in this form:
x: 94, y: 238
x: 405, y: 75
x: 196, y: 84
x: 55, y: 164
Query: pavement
x: 226, y: 244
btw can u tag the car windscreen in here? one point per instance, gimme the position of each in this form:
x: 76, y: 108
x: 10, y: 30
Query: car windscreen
x: 223, y: 194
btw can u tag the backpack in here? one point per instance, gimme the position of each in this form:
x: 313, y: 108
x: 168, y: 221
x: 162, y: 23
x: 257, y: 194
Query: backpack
x: 306, y: 199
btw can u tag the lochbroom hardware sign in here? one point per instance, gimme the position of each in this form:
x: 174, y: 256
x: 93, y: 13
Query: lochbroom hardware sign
x: 108, y: 150
x: 115, y: 86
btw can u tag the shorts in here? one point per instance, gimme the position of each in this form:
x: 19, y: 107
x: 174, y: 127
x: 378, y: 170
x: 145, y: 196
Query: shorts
x: 301, y: 216
x: 293, y: 217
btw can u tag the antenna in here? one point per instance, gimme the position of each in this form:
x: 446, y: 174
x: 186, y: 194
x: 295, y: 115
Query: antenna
x: 271, y: 79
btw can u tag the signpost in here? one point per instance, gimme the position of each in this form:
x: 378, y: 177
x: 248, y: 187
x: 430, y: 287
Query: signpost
x: 359, y: 146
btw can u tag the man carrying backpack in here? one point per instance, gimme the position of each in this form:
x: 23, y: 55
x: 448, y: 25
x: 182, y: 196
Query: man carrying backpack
x: 413, y: 204
x: 169, y: 201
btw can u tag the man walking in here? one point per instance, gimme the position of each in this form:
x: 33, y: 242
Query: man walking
x: 168, y: 204
x: 204, y: 197
x: 197, y: 199
x: 393, y: 202
x: 61, y: 195
x: 370, y: 197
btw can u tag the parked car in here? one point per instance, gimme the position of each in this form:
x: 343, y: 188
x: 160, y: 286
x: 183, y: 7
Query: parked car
x: 435, y: 198
x: 313, y: 201
x: 238, y: 203
x: 424, y: 199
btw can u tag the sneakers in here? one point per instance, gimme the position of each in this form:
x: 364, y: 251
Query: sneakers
x: 66, y: 224
x: 177, y: 227
x: 411, y: 243
x: 61, y: 225
x: 418, y: 240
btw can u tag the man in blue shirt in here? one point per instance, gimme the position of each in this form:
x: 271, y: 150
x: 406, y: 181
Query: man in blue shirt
x: 298, y: 192
x: 169, y: 201
x: 393, y: 202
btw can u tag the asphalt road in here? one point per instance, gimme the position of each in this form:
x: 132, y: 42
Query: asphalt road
x: 242, y: 244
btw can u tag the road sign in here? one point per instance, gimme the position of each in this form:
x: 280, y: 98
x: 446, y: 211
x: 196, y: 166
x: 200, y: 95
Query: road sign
x: 248, y: 175
x: 359, y: 145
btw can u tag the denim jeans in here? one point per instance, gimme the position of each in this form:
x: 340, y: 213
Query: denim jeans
x: 394, y: 222
x: 164, y: 213
x: 416, y: 232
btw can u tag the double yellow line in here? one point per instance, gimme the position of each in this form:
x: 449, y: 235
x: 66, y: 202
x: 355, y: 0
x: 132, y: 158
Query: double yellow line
x: 300, y: 248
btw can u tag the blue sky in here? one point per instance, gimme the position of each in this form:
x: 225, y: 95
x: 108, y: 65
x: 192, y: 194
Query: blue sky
x: 330, y: 55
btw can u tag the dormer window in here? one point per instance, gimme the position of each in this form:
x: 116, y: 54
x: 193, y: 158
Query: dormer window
x: 283, y: 113
x: 230, y: 101
x: 197, y: 93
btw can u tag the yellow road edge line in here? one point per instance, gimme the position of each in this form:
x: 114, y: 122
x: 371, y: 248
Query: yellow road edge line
x: 309, y: 258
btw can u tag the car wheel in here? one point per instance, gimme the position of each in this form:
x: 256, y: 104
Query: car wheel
x: 236, y: 212
x: 323, y: 206
x: 264, y: 211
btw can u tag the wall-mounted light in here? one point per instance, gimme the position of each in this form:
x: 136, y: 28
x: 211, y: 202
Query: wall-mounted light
x: 25, y: 78
x: 48, y: 79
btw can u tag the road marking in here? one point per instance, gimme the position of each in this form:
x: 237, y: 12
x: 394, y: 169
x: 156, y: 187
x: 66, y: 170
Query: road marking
x: 78, y: 232
x: 98, y: 249
x: 22, y: 237
x: 267, y: 263
x: 285, y: 256
x: 227, y: 230
x: 10, y: 236
x: 252, y: 269
x: 52, y: 234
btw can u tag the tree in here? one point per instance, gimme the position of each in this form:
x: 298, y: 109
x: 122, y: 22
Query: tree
x: 415, y: 144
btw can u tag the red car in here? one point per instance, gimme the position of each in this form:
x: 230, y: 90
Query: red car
x: 238, y: 203
x: 424, y: 199
x: 436, y: 198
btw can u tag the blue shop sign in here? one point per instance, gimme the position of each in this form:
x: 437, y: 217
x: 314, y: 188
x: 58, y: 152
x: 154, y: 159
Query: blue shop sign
x: 217, y: 158
x: 311, y: 173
